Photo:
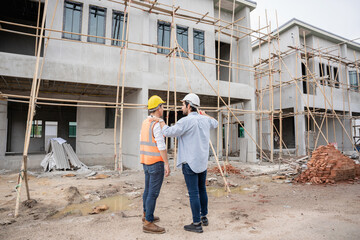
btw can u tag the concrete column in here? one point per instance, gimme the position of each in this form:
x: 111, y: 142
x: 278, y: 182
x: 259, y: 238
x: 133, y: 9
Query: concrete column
x: 300, y: 135
x: 3, y: 131
x: 245, y: 49
x: 249, y: 124
x: 133, y: 119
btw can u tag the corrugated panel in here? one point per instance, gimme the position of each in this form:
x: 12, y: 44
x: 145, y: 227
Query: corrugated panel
x: 59, y: 155
x: 74, y: 160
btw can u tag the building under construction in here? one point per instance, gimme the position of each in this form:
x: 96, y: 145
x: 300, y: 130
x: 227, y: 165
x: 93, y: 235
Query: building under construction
x: 83, y: 71
x: 310, y: 83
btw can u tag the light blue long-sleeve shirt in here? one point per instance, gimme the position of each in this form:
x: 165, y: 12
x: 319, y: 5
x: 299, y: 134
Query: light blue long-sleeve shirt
x: 193, y: 132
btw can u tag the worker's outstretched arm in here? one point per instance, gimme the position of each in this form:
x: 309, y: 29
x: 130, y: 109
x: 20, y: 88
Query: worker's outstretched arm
x: 177, y: 130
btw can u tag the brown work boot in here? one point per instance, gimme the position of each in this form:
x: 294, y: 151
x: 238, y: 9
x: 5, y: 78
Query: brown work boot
x: 156, y: 219
x: 150, y: 227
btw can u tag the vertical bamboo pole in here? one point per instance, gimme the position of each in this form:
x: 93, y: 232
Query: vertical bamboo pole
x: 174, y: 41
x: 37, y: 27
x: 122, y: 43
x: 229, y: 79
x: 261, y: 100
x: 31, y: 112
x: 344, y: 108
x: 271, y: 93
x: 120, y: 158
x: 218, y: 81
x: 296, y: 101
x: 307, y: 94
x: 280, y: 92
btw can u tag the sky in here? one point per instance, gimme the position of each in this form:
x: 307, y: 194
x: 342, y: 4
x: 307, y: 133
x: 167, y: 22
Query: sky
x: 341, y: 17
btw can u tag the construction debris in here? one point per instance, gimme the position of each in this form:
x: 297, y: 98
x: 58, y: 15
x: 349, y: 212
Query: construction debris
x: 99, y: 209
x: 99, y: 176
x: 329, y: 165
x: 228, y: 168
x: 62, y: 156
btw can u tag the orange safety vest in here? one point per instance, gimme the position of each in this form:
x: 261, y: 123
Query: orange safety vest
x: 149, y: 153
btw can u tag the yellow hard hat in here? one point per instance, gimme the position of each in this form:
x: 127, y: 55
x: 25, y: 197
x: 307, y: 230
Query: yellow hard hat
x: 154, y: 102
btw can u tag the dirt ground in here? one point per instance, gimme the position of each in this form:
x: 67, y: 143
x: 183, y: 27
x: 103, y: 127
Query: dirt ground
x: 258, y: 208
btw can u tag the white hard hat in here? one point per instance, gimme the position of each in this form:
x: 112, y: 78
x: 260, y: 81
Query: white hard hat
x: 193, y: 99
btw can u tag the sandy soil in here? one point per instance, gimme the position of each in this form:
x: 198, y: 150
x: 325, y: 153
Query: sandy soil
x: 259, y: 208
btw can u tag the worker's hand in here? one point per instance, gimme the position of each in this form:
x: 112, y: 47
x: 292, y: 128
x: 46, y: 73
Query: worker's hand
x: 167, y: 170
x: 202, y: 112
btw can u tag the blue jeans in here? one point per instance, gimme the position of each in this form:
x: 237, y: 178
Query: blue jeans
x: 154, y: 176
x: 195, y: 183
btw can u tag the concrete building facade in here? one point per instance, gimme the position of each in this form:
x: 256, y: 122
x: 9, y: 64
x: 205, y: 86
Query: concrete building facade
x: 310, y: 54
x: 79, y: 67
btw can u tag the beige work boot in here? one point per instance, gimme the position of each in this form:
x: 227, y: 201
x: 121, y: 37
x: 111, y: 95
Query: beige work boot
x: 150, y: 227
x: 156, y: 219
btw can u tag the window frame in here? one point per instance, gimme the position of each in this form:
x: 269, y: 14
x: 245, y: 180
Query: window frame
x: 36, y: 124
x: 97, y: 37
x: 201, y: 58
x: 162, y: 50
x: 187, y: 42
x: 72, y: 136
x: 357, y: 77
x: 64, y: 19
x: 118, y: 41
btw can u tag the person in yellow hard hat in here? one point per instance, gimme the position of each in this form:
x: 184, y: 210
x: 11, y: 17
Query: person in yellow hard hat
x: 153, y: 156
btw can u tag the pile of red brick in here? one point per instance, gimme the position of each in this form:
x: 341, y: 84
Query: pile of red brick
x: 230, y: 169
x: 329, y: 165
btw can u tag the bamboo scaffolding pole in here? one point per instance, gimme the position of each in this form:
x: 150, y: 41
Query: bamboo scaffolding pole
x: 23, y: 173
x: 332, y: 108
x: 246, y: 67
x: 45, y: 51
x: 296, y: 104
x: 307, y: 99
x: 174, y: 42
x: 280, y: 93
x: 343, y: 102
x: 298, y: 89
x: 37, y: 29
x: 120, y: 157
x: 261, y: 106
x: 229, y: 80
x: 222, y: 100
x: 116, y: 117
x: 271, y: 93
x: 218, y: 84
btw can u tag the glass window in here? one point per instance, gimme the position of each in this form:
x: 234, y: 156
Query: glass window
x: 117, y: 28
x: 353, y: 79
x: 164, y: 33
x: 182, y: 39
x: 336, y: 77
x: 199, y: 45
x: 97, y: 24
x: 36, y: 129
x: 109, y: 117
x: 72, y: 129
x: 72, y: 19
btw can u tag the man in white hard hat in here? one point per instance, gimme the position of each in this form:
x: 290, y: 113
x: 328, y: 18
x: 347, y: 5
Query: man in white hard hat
x: 153, y: 156
x: 193, y: 132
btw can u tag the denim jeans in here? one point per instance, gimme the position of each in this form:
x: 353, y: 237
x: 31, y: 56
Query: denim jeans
x: 154, y: 176
x: 195, y: 183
